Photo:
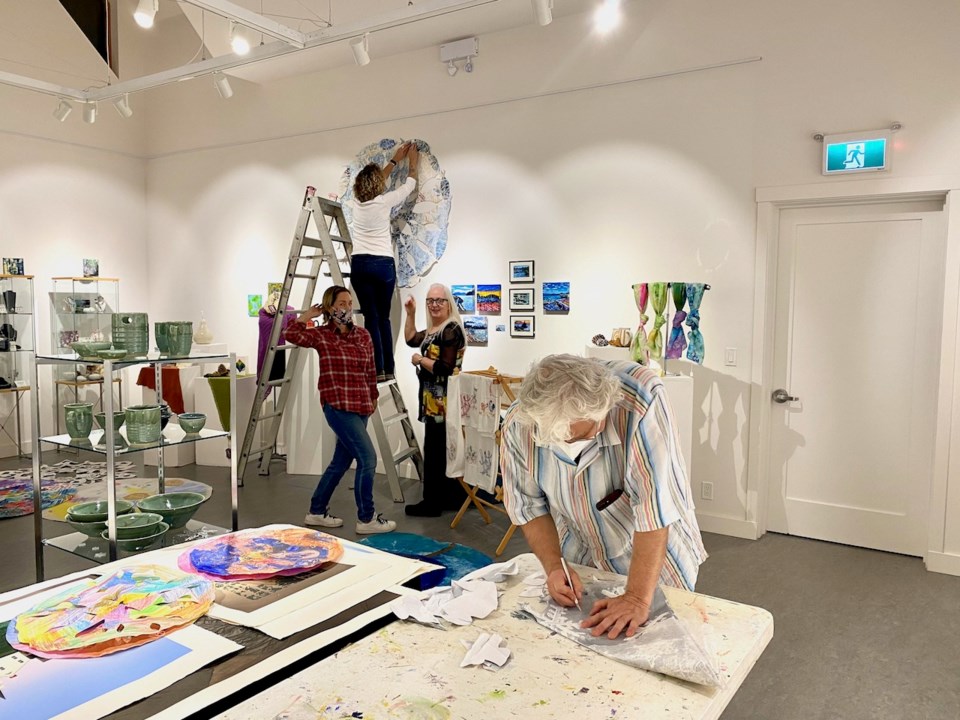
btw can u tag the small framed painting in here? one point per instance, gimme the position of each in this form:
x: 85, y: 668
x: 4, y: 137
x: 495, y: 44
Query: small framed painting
x: 476, y: 327
x: 488, y: 299
x: 91, y: 267
x: 556, y: 297
x: 521, y: 271
x: 522, y: 326
x: 523, y: 298
x: 465, y: 296
x: 13, y: 266
x: 254, y: 303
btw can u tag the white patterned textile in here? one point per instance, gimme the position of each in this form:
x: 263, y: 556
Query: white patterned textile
x: 454, y: 428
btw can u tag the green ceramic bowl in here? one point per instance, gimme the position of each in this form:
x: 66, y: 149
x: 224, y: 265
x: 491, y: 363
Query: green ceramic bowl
x: 141, y: 543
x: 96, y: 511
x: 90, y: 529
x: 118, y: 418
x: 176, y: 508
x: 192, y: 422
x: 112, y: 354
x: 89, y: 349
x: 137, y: 525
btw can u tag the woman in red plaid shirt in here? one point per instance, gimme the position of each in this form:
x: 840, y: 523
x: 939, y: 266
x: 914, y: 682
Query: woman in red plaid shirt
x: 348, y: 394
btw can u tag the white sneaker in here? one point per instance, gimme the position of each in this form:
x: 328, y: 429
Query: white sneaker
x: 377, y: 525
x: 324, y: 520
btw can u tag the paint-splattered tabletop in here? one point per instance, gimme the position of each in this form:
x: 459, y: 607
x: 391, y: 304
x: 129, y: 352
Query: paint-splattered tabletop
x: 408, y: 671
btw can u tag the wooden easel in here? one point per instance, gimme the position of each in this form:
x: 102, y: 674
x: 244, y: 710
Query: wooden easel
x: 508, y: 397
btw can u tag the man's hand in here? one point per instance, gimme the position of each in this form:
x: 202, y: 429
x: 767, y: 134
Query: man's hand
x: 562, y: 593
x: 626, y: 613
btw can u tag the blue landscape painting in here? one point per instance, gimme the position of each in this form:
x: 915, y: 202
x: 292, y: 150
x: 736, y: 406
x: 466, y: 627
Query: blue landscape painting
x: 466, y: 297
x: 556, y: 297
x: 476, y: 327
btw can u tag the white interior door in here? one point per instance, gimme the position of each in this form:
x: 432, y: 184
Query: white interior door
x: 858, y: 318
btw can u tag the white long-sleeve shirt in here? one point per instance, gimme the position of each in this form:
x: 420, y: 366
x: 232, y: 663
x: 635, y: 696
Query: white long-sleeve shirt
x: 370, y: 226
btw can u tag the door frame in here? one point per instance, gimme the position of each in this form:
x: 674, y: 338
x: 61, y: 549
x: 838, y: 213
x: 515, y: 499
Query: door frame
x: 771, y: 201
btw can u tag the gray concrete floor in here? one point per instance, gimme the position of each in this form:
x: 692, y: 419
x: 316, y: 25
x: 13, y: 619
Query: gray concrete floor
x: 859, y: 634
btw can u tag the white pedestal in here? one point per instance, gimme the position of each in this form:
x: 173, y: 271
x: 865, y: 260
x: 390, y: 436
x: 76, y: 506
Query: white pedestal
x: 679, y: 390
x: 214, y: 452
x: 177, y: 455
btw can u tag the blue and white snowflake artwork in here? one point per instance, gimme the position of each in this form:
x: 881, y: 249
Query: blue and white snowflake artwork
x: 419, y: 225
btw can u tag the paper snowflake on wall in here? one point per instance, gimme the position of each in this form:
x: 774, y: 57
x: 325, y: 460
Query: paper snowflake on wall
x: 419, y: 225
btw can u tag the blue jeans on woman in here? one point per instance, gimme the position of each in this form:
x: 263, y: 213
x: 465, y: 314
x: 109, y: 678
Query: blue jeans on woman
x: 374, y: 278
x: 353, y: 443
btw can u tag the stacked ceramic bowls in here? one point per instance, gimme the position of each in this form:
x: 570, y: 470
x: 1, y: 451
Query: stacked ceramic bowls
x: 90, y: 518
x: 138, y: 531
x: 131, y: 331
x: 143, y: 424
x: 176, y: 508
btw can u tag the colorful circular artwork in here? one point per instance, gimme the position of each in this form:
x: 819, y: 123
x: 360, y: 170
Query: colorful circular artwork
x: 96, y: 617
x: 16, y: 496
x: 419, y: 225
x: 259, y: 554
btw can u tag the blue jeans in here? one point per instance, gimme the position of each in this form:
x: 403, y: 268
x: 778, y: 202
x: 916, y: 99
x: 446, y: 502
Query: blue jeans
x: 374, y: 278
x: 353, y: 443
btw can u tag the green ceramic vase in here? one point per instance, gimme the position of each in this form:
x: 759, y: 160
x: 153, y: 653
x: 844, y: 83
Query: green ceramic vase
x: 160, y: 335
x: 79, y: 419
x: 143, y: 424
x: 179, y: 338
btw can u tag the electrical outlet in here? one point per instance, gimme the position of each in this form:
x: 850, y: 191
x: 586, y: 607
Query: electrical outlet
x: 706, y: 490
x: 730, y: 357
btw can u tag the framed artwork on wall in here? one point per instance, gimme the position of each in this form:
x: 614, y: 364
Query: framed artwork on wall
x: 91, y: 267
x: 522, y: 326
x: 476, y: 327
x: 489, y: 299
x: 523, y: 298
x: 556, y: 297
x: 465, y: 296
x: 521, y: 271
x: 254, y: 303
x: 13, y: 266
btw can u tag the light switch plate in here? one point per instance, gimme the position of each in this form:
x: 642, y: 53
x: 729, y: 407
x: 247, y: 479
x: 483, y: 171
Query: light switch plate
x: 730, y: 357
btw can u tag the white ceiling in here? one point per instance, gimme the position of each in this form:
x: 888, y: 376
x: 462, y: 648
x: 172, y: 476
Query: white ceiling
x: 39, y: 40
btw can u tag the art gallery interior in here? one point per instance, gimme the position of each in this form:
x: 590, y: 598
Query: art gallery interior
x: 586, y: 148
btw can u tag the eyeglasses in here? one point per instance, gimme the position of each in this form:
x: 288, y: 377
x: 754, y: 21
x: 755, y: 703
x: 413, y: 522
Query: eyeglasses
x: 436, y: 301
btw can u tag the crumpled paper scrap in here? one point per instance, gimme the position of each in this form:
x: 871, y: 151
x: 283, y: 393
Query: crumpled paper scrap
x: 487, y: 650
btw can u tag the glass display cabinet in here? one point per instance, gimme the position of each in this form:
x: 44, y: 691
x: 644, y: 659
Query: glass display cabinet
x: 17, y: 344
x: 81, y: 309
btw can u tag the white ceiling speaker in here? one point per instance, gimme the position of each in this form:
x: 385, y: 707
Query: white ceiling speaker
x: 222, y: 84
x: 361, y: 49
x: 543, y: 10
x: 122, y: 104
x: 63, y: 109
x: 90, y: 113
x: 607, y: 16
x: 239, y: 38
x: 146, y: 12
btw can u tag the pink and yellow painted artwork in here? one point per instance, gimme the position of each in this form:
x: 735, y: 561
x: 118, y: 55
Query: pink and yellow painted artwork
x: 260, y: 554
x: 128, y: 608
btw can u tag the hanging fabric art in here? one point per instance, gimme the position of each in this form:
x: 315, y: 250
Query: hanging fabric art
x: 695, y: 296
x: 639, y: 348
x: 259, y: 554
x: 665, y: 644
x: 131, y: 607
x: 658, y: 296
x: 678, y: 340
x: 419, y: 225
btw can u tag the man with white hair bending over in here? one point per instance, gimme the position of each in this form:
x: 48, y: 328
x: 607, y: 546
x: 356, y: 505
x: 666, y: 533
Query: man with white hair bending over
x: 592, y: 472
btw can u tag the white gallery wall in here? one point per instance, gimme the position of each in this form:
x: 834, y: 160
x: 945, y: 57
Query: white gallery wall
x: 606, y: 161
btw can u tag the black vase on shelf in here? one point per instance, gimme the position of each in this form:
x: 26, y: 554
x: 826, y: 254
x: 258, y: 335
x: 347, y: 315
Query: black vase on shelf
x: 10, y: 301
x: 164, y: 415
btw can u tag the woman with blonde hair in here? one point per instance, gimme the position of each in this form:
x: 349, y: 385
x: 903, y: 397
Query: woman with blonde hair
x: 373, y: 270
x: 348, y: 395
x: 441, y: 345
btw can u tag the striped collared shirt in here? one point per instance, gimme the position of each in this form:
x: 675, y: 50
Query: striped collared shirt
x: 639, y: 452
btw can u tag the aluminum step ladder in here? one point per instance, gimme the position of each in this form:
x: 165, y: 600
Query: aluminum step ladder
x: 334, y: 252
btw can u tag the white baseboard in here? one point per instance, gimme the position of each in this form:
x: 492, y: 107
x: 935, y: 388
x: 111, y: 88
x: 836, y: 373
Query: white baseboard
x: 946, y: 563
x: 723, y: 525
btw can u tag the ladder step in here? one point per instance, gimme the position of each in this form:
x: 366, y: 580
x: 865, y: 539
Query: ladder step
x: 405, y: 454
x: 288, y: 346
x: 277, y: 383
x: 394, y: 419
x: 302, y: 276
x: 311, y: 242
x: 342, y: 273
x: 261, y: 418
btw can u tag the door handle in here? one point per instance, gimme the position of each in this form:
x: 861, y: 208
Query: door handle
x: 782, y: 396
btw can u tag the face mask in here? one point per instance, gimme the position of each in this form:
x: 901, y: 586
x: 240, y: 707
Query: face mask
x: 342, y: 316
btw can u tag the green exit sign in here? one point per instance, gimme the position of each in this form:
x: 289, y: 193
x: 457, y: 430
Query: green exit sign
x: 843, y: 154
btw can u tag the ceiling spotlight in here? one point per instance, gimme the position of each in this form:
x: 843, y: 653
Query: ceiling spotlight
x: 90, y: 113
x: 63, y: 109
x: 543, y: 9
x: 451, y: 68
x: 607, y: 16
x: 239, y: 40
x: 361, y: 49
x: 468, y: 65
x: 145, y: 13
x: 223, y: 85
x: 122, y: 104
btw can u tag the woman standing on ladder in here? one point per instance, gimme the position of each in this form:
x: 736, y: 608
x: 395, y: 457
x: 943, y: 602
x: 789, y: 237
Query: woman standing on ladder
x: 441, y: 355
x: 373, y: 270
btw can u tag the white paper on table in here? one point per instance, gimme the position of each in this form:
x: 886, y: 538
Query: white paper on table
x: 486, y: 649
x: 458, y: 604
x: 497, y: 572
x: 538, y: 578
